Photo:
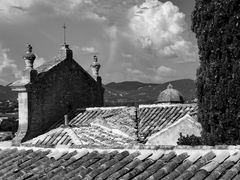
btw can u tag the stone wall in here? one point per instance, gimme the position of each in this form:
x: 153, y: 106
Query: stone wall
x: 170, y: 135
x: 56, y: 92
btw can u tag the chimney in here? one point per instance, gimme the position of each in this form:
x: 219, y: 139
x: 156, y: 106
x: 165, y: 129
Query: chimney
x: 66, y: 120
x: 65, y: 52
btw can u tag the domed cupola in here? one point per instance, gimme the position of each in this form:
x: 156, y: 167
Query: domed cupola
x: 170, y: 95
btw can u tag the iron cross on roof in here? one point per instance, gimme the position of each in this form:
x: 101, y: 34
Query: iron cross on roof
x: 64, y: 33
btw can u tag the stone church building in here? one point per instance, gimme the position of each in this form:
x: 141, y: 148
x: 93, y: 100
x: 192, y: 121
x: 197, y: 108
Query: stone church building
x: 60, y: 99
x: 50, y: 91
x: 65, y: 132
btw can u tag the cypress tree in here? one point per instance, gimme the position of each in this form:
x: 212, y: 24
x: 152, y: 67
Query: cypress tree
x: 216, y: 24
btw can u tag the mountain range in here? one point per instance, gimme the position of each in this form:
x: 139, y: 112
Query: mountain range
x: 133, y: 92
x: 129, y: 92
x: 6, y: 93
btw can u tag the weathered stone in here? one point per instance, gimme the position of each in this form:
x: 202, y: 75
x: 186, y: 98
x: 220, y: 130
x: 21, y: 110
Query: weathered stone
x: 58, y: 87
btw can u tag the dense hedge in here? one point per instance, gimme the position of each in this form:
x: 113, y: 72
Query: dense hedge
x: 217, y: 27
x: 189, y: 140
x: 192, y: 140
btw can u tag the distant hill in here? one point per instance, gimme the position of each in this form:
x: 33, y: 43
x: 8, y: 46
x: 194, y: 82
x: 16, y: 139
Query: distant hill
x: 127, y: 85
x: 6, y: 93
x: 130, y: 93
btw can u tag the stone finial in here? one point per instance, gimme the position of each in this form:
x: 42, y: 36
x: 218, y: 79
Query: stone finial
x: 29, y: 57
x: 170, y: 86
x: 95, y: 66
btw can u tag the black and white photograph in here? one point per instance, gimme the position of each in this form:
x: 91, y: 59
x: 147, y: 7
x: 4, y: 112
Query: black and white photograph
x: 119, y: 89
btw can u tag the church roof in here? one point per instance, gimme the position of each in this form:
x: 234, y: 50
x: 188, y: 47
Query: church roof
x: 84, y: 137
x: 64, y: 54
x: 48, y: 65
x: 150, y: 118
x: 156, y: 118
x: 170, y: 95
x: 64, y: 163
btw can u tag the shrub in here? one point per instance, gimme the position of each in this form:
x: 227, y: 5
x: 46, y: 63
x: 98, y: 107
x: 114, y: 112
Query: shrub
x: 189, y: 140
x: 216, y: 24
x: 192, y: 140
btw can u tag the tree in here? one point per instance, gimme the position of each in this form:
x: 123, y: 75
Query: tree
x: 217, y: 27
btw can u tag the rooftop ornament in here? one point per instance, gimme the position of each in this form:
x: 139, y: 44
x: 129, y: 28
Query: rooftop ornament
x: 29, y: 57
x: 95, y: 66
x: 65, y: 51
x: 64, y: 34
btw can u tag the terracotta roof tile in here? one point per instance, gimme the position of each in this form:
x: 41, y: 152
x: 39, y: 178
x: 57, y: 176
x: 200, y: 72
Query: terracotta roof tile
x: 154, y: 119
x: 192, y: 170
x: 169, y: 167
x: 182, y: 167
x: 27, y: 163
x: 156, y: 156
x: 151, y: 118
x: 117, y: 166
x: 89, y: 136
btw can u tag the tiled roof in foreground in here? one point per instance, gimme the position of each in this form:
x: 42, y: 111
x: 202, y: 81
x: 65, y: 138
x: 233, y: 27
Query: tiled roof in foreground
x: 151, y: 118
x: 180, y: 164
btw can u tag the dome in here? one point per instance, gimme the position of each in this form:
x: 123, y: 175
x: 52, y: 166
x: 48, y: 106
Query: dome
x: 170, y: 95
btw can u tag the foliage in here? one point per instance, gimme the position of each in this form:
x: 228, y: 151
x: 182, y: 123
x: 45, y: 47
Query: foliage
x: 9, y: 124
x: 216, y: 24
x: 192, y: 140
x: 189, y: 140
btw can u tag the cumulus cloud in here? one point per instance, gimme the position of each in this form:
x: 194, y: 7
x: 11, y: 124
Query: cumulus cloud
x: 100, y: 10
x: 113, y: 11
x: 16, y: 11
x: 136, y: 74
x: 93, y: 16
x: 13, y: 6
x: 89, y: 50
x: 112, y: 32
x: 158, y: 28
x: 158, y: 75
x: 126, y: 55
x: 39, y: 61
x: 8, y: 66
x: 164, y: 71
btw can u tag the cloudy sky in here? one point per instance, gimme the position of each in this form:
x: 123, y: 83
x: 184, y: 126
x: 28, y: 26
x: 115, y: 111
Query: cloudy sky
x: 135, y: 40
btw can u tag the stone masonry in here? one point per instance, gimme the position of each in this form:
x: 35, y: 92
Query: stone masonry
x: 46, y: 94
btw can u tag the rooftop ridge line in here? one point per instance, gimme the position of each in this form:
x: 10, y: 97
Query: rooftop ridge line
x: 139, y: 106
x: 178, y: 149
x: 115, y: 131
x: 101, y: 108
x: 166, y: 105
x: 73, y: 136
x: 43, y: 135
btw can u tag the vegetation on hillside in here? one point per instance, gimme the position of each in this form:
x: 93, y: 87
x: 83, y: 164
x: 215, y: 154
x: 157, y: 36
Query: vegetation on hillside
x: 130, y: 93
